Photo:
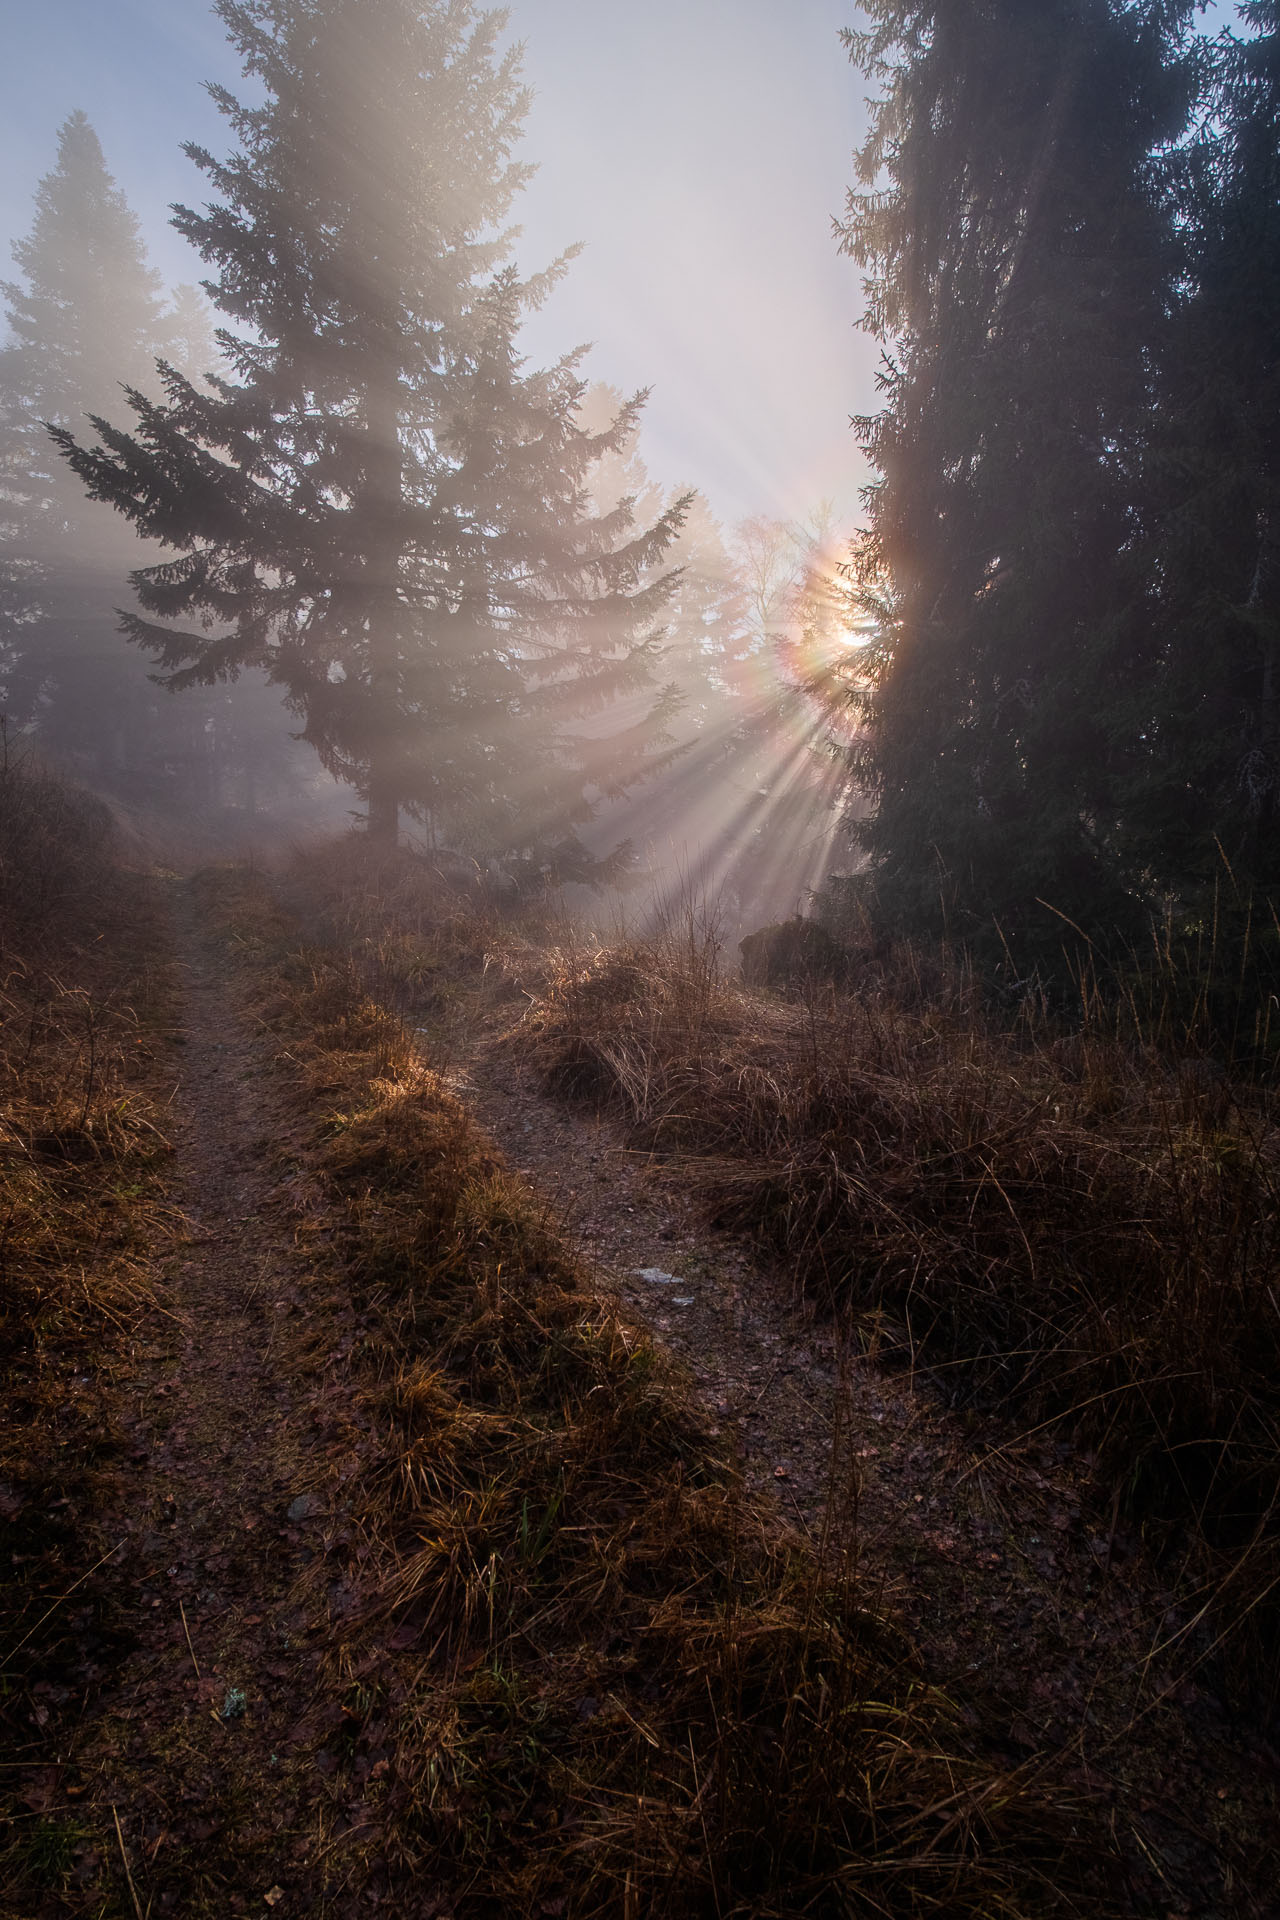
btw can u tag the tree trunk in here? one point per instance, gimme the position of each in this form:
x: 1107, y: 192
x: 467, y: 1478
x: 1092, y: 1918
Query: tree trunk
x: 383, y: 828
x: 383, y: 481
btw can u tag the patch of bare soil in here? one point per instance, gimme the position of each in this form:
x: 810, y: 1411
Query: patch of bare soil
x: 1045, y: 1617
x: 185, y: 1787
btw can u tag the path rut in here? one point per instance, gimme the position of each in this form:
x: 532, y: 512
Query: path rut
x: 220, y: 1510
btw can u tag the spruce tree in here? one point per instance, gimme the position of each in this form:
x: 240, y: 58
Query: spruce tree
x: 705, y: 633
x: 1204, y: 805
x: 376, y: 501
x: 740, y: 813
x: 1021, y: 268
x: 87, y: 316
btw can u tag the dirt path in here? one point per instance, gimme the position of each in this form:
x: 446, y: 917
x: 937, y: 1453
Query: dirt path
x: 1029, y: 1603
x: 201, y: 1692
x: 187, y: 1742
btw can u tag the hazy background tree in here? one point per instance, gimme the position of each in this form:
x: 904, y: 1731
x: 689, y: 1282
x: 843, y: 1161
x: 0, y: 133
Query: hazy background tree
x: 748, y: 807
x: 376, y: 501
x: 87, y: 317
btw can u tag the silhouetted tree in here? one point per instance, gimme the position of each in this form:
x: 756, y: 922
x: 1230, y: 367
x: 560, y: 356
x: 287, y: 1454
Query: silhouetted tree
x: 1021, y: 256
x: 1207, y: 788
x: 376, y: 501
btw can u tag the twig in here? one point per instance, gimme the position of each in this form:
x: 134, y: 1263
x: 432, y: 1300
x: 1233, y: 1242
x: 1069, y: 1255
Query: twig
x: 799, y: 1512
x: 768, y: 1383
x: 190, y: 1649
x: 133, y: 1891
x: 61, y: 1597
x: 706, y: 1837
x: 1111, y: 1533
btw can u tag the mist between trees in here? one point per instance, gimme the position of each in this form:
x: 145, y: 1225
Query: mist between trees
x: 372, y: 536
x: 388, y: 566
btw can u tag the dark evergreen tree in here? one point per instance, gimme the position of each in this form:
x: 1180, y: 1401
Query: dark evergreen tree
x: 1206, y: 793
x: 376, y: 502
x: 1021, y: 266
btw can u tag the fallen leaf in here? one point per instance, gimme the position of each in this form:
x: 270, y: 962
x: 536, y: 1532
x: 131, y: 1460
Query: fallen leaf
x: 41, y: 1793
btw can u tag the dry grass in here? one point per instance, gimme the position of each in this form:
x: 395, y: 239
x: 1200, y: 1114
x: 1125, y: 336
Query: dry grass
x: 1064, y: 1226
x: 56, y: 864
x: 426, y: 940
x: 582, y: 1674
x: 83, y: 989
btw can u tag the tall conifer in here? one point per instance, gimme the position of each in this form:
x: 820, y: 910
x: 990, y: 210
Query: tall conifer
x: 377, y: 502
x: 86, y: 319
x: 1207, y: 787
x: 1021, y: 267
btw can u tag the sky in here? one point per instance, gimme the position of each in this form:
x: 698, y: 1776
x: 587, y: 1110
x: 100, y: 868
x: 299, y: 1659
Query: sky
x: 698, y: 148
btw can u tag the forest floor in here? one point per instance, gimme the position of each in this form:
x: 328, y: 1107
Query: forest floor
x: 1039, y: 1611
x: 208, y: 1520
x: 180, y: 1772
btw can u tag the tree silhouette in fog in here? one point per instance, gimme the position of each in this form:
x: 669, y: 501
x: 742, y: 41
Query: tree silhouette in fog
x: 87, y: 315
x: 377, y: 501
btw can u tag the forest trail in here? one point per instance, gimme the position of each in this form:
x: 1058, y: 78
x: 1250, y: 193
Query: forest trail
x: 217, y: 1513
x: 205, y: 1697
x: 1040, y: 1613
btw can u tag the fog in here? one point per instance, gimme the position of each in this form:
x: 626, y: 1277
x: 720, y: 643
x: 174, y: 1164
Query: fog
x: 419, y: 555
x: 696, y: 157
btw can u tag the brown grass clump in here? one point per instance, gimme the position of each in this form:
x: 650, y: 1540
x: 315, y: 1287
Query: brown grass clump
x: 56, y: 860
x: 83, y: 984
x: 583, y: 1674
x: 1063, y: 1226
x: 426, y: 933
